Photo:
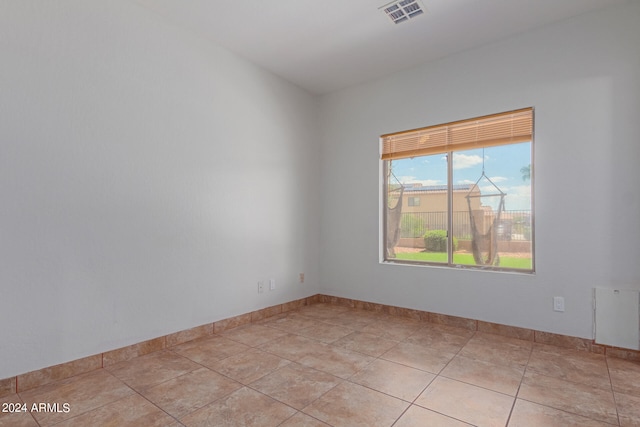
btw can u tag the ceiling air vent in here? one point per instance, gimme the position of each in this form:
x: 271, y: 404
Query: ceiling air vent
x: 402, y: 10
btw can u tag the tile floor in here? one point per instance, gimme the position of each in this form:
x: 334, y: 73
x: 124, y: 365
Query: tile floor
x: 326, y: 365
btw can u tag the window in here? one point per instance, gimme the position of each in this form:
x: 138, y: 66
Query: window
x: 414, y: 201
x: 472, y: 181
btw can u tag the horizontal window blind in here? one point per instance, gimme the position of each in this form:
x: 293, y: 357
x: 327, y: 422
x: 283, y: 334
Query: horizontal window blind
x: 496, y: 129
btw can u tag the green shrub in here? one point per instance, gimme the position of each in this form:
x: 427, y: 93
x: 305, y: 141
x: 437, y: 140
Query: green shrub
x: 411, y: 226
x: 436, y: 241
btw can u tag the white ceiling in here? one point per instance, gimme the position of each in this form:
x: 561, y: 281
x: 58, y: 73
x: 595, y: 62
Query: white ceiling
x: 325, y: 45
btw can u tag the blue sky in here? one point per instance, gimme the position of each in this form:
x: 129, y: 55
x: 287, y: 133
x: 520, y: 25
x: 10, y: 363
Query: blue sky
x: 501, y: 164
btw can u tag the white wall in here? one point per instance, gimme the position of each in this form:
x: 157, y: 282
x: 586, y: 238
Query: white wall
x: 147, y: 181
x: 582, y: 78
x: 129, y: 208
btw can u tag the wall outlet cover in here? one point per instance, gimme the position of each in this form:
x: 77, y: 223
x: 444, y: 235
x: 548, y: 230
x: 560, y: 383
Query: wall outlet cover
x: 558, y: 303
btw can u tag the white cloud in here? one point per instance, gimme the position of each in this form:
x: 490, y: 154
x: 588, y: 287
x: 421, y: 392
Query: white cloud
x: 490, y: 189
x: 463, y: 161
x: 413, y: 180
x: 520, y: 190
x: 406, y: 179
x: 518, y: 197
x: 498, y: 178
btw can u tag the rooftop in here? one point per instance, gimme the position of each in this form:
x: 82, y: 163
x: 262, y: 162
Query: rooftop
x: 427, y: 188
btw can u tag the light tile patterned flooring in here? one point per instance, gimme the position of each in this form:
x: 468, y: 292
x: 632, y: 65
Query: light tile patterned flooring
x: 327, y: 365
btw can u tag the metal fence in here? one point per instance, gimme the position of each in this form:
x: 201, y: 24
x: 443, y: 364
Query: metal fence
x: 513, y: 225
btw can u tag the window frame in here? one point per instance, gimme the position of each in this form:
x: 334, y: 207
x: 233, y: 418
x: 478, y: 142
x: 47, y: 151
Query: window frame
x: 384, y: 170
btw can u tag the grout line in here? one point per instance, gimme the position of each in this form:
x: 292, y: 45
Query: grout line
x: 527, y: 368
x: 349, y: 378
x: 524, y: 373
x: 569, y: 412
x: 158, y: 407
x: 425, y: 317
x: 613, y: 393
x: 435, y: 376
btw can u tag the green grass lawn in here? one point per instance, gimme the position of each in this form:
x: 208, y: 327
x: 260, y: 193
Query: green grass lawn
x: 463, y: 259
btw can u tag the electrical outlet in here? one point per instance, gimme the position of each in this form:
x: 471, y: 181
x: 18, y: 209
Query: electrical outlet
x: 301, y: 277
x: 272, y: 284
x: 260, y: 287
x: 558, y: 303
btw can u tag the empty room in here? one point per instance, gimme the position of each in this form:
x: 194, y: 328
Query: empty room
x: 320, y: 213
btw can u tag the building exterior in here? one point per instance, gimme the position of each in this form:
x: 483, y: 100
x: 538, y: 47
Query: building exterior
x: 433, y: 198
x: 424, y: 208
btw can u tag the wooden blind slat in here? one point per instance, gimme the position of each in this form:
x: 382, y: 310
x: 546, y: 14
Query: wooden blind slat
x: 488, y: 131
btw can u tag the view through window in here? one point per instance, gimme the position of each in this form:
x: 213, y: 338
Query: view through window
x: 460, y: 194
